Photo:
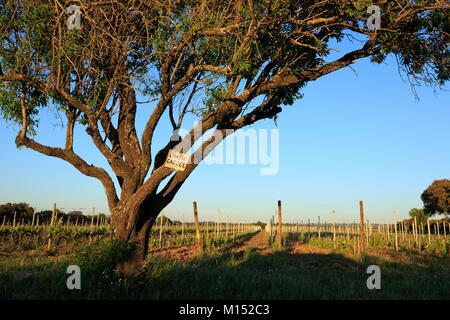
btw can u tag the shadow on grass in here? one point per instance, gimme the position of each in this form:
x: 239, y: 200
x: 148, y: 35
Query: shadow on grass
x: 303, y: 276
x: 279, y: 275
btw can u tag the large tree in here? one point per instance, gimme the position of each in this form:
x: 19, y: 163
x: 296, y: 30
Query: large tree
x: 436, y: 197
x: 240, y: 61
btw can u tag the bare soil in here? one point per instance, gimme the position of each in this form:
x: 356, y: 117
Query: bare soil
x: 185, y: 252
x: 258, y: 243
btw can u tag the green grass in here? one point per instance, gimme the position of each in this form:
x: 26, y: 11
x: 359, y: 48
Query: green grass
x: 279, y: 275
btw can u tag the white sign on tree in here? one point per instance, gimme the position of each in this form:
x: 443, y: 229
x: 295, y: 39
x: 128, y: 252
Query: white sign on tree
x: 177, y: 160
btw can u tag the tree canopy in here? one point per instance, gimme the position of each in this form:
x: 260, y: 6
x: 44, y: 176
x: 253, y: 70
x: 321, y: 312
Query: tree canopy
x: 436, y: 198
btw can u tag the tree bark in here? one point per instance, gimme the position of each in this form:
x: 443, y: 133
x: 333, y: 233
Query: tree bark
x: 138, y: 236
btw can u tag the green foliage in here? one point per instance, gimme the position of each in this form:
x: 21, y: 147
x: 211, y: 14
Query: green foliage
x: 436, y: 198
x: 164, y: 42
x: 165, y: 221
x: 441, y: 248
x: 22, y: 210
x: 214, y: 97
x: 25, y: 37
x: 419, y: 214
x: 103, y: 255
x: 279, y: 275
x: 420, y: 41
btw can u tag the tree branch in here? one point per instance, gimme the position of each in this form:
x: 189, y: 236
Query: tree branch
x: 77, y: 162
x: 119, y: 166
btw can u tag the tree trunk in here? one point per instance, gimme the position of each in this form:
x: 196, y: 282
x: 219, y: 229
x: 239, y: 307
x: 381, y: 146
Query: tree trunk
x: 138, y: 236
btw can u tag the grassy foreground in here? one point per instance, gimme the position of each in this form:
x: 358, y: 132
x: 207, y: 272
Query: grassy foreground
x: 275, y: 275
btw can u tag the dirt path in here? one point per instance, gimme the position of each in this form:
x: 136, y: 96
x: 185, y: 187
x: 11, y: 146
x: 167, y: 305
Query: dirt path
x: 180, y: 253
x: 258, y: 243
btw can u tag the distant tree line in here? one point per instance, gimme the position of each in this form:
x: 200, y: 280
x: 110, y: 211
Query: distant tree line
x: 23, y: 214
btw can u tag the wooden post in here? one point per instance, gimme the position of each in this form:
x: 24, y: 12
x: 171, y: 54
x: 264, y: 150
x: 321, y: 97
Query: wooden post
x: 334, y: 229
x: 359, y: 245
x: 403, y: 230
x: 271, y: 226
x: 34, y: 216
x: 367, y: 233
x: 318, y: 226
x: 302, y: 228
x: 280, y: 228
x: 309, y: 228
x: 361, y: 227
x: 4, y: 219
x: 395, y: 228
x: 226, y: 228
x: 55, y: 217
x: 445, y: 231
x: 197, y: 228
x: 429, y: 231
x: 388, y: 232
x: 160, y: 230
x: 421, y: 231
x: 416, y: 237
x: 49, y: 244
x: 92, y: 224
x: 218, y: 223
x: 182, y: 226
x: 14, y: 220
x: 437, y: 227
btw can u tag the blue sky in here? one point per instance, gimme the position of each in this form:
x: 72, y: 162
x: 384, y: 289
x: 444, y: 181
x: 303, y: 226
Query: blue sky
x: 353, y: 136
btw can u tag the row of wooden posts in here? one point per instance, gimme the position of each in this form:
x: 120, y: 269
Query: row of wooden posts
x: 53, y: 221
x: 398, y: 230
x: 233, y: 228
x: 421, y: 233
x: 96, y: 220
x: 54, y: 218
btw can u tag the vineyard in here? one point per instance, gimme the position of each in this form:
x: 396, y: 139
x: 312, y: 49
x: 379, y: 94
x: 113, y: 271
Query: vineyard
x: 346, y: 237
x: 33, y: 237
x: 59, y: 233
x: 204, y: 259
x: 432, y: 236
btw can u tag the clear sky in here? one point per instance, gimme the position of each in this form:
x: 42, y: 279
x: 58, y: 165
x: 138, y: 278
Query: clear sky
x: 353, y: 136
